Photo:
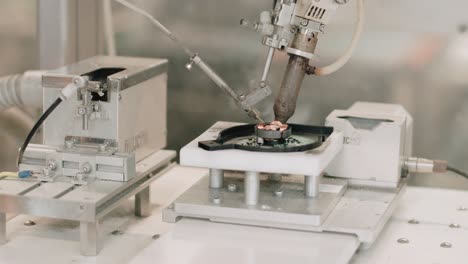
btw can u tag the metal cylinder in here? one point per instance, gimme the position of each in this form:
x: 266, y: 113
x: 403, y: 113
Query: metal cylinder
x: 311, y: 186
x: 251, y: 187
x: 285, y: 103
x: 216, y: 178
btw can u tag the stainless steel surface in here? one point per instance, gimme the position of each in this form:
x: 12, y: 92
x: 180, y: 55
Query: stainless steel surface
x: 216, y: 178
x: 86, y: 203
x: 291, y: 210
x: 251, y: 187
x: 133, y: 115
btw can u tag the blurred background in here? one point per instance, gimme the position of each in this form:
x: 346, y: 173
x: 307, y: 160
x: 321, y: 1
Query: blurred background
x: 412, y: 53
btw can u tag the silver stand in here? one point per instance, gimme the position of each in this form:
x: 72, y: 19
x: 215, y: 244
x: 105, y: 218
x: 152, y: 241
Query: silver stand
x: 87, y: 203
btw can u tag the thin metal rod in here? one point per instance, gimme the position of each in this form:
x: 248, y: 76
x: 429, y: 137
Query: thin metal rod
x: 158, y: 24
x: 252, y: 187
x: 216, y: 178
x: 195, y: 58
x: 266, y: 70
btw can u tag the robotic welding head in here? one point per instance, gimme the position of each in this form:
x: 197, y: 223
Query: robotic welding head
x: 293, y: 27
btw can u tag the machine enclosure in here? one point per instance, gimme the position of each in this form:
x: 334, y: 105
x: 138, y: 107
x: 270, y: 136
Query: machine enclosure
x: 124, y: 125
x: 377, y: 139
x: 133, y: 118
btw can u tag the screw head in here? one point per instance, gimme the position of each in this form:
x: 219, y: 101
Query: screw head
x: 242, y: 97
x: 81, y: 110
x: 216, y: 200
x: 86, y: 168
x: 232, y: 187
x: 189, y: 66
x: 278, y: 193
x: 52, y: 165
x: 69, y: 144
x: 102, y: 147
x: 29, y: 223
x: 304, y: 22
x: 403, y: 240
x: 322, y: 28
x: 445, y: 245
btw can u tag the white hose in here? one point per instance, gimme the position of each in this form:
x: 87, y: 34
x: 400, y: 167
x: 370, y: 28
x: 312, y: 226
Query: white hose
x: 21, y: 89
x: 109, y: 28
x: 340, y: 62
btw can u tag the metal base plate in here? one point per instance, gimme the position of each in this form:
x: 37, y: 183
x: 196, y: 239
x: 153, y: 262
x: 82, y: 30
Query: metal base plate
x: 281, y: 204
x: 86, y: 203
x: 338, y: 208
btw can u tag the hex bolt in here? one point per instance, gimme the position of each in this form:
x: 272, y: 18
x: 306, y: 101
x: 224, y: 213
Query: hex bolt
x: 81, y: 110
x: 278, y: 193
x: 102, y: 147
x: 69, y: 144
x: 86, y: 168
x: 52, y: 165
x: 232, y: 187
x: 216, y: 200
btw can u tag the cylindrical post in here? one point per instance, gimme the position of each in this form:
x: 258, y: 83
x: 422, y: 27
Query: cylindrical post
x: 252, y: 187
x: 311, y: 186
x: 216, y: 178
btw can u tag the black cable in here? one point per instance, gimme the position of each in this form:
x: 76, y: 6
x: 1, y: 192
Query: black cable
x: 457, y: 171
x: 35, y: 128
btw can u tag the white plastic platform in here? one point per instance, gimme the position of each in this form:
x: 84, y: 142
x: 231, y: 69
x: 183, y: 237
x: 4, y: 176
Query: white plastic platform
x: 310, y: 163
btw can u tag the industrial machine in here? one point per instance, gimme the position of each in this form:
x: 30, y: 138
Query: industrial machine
x: 345, y: 177
x: 101, y: 145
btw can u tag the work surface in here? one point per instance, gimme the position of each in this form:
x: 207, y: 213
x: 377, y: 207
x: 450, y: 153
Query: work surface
x: 129, y: 239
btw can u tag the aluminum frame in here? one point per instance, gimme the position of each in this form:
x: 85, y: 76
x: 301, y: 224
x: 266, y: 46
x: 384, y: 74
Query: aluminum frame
x: 87, y: 203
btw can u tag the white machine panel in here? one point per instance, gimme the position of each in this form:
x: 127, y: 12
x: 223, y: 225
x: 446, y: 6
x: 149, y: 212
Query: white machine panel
x: 376, y: 139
